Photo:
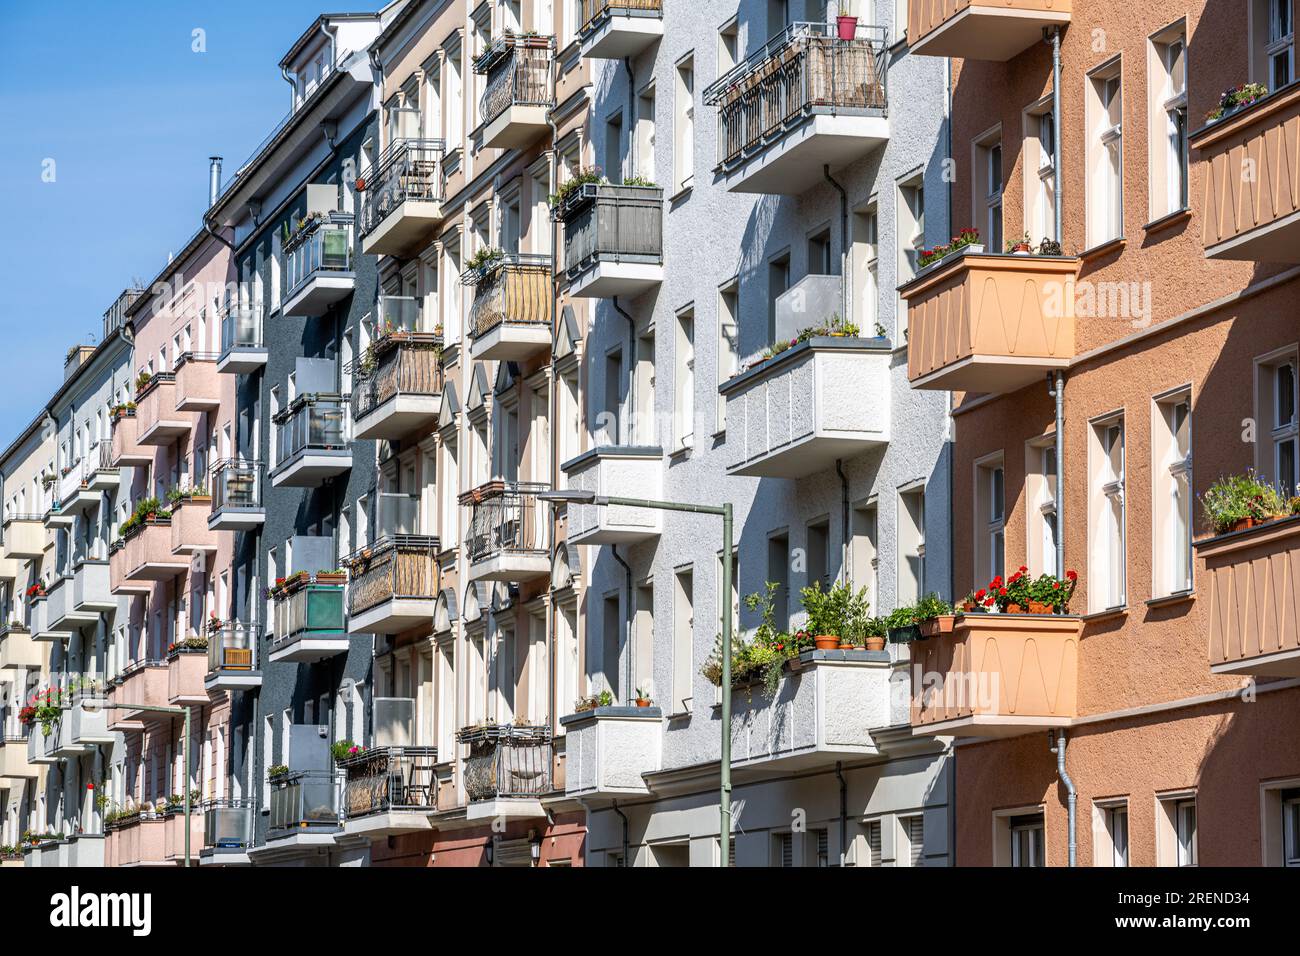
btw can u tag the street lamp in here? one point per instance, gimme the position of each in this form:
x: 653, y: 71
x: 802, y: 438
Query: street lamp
x: 185, y: 745
x: 723, y: 510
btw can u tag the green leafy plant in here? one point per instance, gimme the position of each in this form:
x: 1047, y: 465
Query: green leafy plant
x: 276, y: 771
x: 1234, y: 499
x: 343, y: 749
x: 584, y: 176
x: 603, y: 699
x: 967, y: 237
x: 930, y: 607
x: 1243, y: 94
x: 485, y: 257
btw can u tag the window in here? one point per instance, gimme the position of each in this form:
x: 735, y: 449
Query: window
x: 684, y: 125
x: 728, y: 345
x: 645, y: 134
x: 568, y: 680
x: 642, y: 427
x: 1040, y: 490
x: 1110, y: 833
x: 614, y: 148
x: 911, y: 546
x: 1176, y: 825
x: 911, y: 239
x: 1279, y: 426
x: 1274, y: 54
x: 874, y: 847
x: 988, y: 176
x: 684, y: 380
x: 1291, y: 828
x: 778, y: 573
x: 728, y: 46
x: 1027, y: 840
x: 1167, y: 117
x: 866, y: 267
x: 990, y: 509
x: 611, y: 642
x: 1171, y: 512
x: 1040, y: 156
x: 820, y: 261
x: 1107, y: 515
x: 683, y: 641
x: 1105, y: 156
x: 643, y: 637
x: 778, y: 281
x: 819, y: 553
x: 912, y: 850
x: 1117, y: 825
x: 864, y: 553
x: 1186, y: 822
x: 783, y: 849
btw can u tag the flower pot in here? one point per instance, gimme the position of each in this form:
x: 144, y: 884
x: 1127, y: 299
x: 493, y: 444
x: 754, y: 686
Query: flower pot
x: 937, y: 625
x: 642, y: 702
x: 826, y: 642
x: 875, y: 643
x: 905, y: 635
x: 331, y: 578
x: 845, y: 646
x: 1036, y: 607
x: 1241, y: 524
x: 847, y: 27
x: 1014, y: 609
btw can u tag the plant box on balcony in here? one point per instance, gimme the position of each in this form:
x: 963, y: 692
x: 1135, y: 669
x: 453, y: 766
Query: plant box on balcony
x: 609, y: 750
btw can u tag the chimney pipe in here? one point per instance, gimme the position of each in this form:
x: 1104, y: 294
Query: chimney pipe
x: 214, y: 180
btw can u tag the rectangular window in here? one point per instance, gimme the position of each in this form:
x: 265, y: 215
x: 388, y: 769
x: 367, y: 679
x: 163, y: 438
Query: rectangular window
x: 1273, y: 54
x: 990, y: 511
x: 866, y: 268
x: 1027, y: 840
x: 1176, y: 830
x: 910, y: 233
x: 683, y: 641
x: 1277, y: 406
x: 778, y: 281
x: 874, y: 848
x: 819, y: 554
x: 1107, y: 515
x: 684, y: 125
x: 1040, y: 493
x: 1105, y: 154
x: 645, y: 134
x: 1117, y: 827
x: 1186, y: 823
x: 1040, y: 161
x: 684, y: 380
x: 912, y: 850
x: 778, y: 573
x: 728, y: 345
x: 1171, y: 511
x: 1291, y: 828
x: 864, y: 553
x: 1167, y: 119
x: 911, y: 546
x: 988, y: 176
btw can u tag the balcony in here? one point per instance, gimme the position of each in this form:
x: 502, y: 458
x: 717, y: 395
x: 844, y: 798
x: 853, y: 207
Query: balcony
x: 997, y: 675
x: 394, y: 585
x: 76, y: 601
x: 174, y: 826
x: 613, y: 240
x: 979, y: 322
x: 507, y: 772
x: 147, y: 556
x: 519, y: 94
x: 805, y: 100
x: 40, y: 745
x: 825, y: 709
x: 623, y: 470
x: 13, y: 757
x: 232, y: 659
x: 49, y: 607
x: 318, y: 265
x: 609, y: 750
x: 86, y: 850
x: 236, y: 496
x: 227, y: 832
x: 198, y: 386
x: 1253, y: 589
x: 17, y: 649
x: 118, y: 572
x: 140, y: 840
x: 55, y: 518
x: 509, y: 532
x: 75, y: 496
x: 399, y: 381
x: 981, y: 29
x: 24, y: 537
x: 309, y: 624
x: 510, y: 315
x: 402, y: 200
x: 312, y: 439
x: 799, y: 411
x: 1251, y: 208
x: 187, y: 667
x: 243, y: 348
x: 191, y: 533
x: 389, y: 790
x: 101, y: 474
x: 141, y: 682
x: 126, y: 450
x: 304, y: 801
x: 157, y: 421
x: 83, y: 727
x: 614, y: 29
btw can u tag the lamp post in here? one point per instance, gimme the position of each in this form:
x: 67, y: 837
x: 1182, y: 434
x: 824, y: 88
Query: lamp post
x: 185, y: 747
x: 725, y: 512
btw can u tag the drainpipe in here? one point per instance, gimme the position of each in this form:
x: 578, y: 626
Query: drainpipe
x: 622, y: 816
x: 627, y: 623
x: 1056, y: 388
x: 1056, y: 136
x: 631, y: 116
x: 844, y: 520
x: 624, y: 426
x: 844, y: 811
x: 1058, y: 748
x: 846, y: 300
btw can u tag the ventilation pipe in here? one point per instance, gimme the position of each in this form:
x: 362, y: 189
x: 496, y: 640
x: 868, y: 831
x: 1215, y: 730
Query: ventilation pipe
x: 214, y: 180
x: 1071, y: 797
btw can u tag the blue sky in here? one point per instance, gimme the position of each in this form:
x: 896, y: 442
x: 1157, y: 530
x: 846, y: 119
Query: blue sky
x: 114, y: 94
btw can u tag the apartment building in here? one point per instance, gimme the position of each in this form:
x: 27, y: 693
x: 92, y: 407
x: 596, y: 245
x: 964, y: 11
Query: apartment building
x: 1167, y: 333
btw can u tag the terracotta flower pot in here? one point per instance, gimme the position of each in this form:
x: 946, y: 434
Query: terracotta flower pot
x: 826, y: 642
x: 875, y: 643
x: 937, y: 625
x: 1014, y: 609
x: 1241, y: 524
x: 642, y: 702
x: 1036, y: 607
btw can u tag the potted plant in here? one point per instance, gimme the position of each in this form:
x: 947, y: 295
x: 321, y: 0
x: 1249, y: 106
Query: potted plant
x: 643, y: 698
x: 1020, y: 247
x: 901, y: 626
x: 1236, y: 98
x: 933, y: 616
x: 1238, y: 502
x: 335, y: 576
x: 831, y: 612
x: 846, y: 24
x: 1049, y: 247
x: 874, y: 639
x: 276, y: 771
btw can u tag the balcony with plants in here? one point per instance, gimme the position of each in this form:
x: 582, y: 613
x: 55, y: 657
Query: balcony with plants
x: 1247, y: 155
x: 507, y: 770
x: 125, y: 448
x: 1003, y: 664
x: 313, y: 442
x: 398, y: 382
x: 308, y: 621
x: 388, y: 790
x: 142, y: 554
x: 158, y: 423
x: 142, y: 681
x: 1252, y: 577
x: 198, y: 385
x: 237, y: 487
x: 981, y: 29
x: 176, y: 822
x: 394, y: 584
x: 814, y: 95
x: 628, y: 471
x: 809, y: 698
x: 50, y: 602
x: 509, y: 532
x: 136, y: 836
x: 243, y: 342
x: 613, y: 235
x: 75, y: 495
x: 510, y: 312
x: 303, y: 802
x: 519, y: 91
x: 402, y: 193
x: 187, y: 669
x: 318, y: 263
x: 614, y: 29
x: 816, y: 396
x: 190, y: 507
x: 609, y: 749
x: 984, y: 322
x: 232, y: 656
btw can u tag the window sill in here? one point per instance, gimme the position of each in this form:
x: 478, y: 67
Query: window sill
x: 681, y: 195
x: 1178, y: 597
x: 1103, y: 249
x: 1106, y: 614
x: 681, y: 453
x: 1168, y: 221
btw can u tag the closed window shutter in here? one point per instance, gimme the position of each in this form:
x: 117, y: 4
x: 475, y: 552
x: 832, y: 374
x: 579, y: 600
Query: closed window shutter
x: 873, y: 843
x: 916, y: 838
x: 823, y: 849
x: 785, y: 847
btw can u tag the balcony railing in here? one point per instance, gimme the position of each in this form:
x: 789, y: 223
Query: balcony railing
x: 507, y: 762
x: 409, y: 170
x: 314, y: 423
x: 241, y: 331
x: 305, y: 616
x: 323, y: 245
x: 620, y: 224
x: 512, y: 290
x: 304, y: 800
x: 236, y: 486
x: 395, y: 568
x: 518, y: 70
x: 231, y: 649
x: 595, y: 11
x: 804, y: 69
x: 227, y: 824
x: 506, y: 517
x: 384, y: 779
x: 403, y: 363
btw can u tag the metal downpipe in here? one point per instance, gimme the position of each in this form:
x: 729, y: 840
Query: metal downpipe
x: 1071, y: 796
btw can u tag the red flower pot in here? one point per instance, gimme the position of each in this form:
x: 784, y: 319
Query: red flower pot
x: 847, y: 27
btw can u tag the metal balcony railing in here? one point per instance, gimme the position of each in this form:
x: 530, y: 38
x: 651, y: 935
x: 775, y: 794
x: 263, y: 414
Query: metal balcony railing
x: 312, y: 610
x: 506, y: 518
x: 227, y: 824
x: 382, y: 779
x: 312, y: 423
x: 615, y: 223
x: 232, y: 648
x: 236, y: 484
x: 506, y: 762
x: 322, y: 245
x: 409, y: 169
x: 804, y: 69
x: 518, y: 70
x: 241, y: 327
x: 402, y: 566
x: 400, y: 363
x: 595, y: 12
x: 304, y: 799
x: 511, y: 290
